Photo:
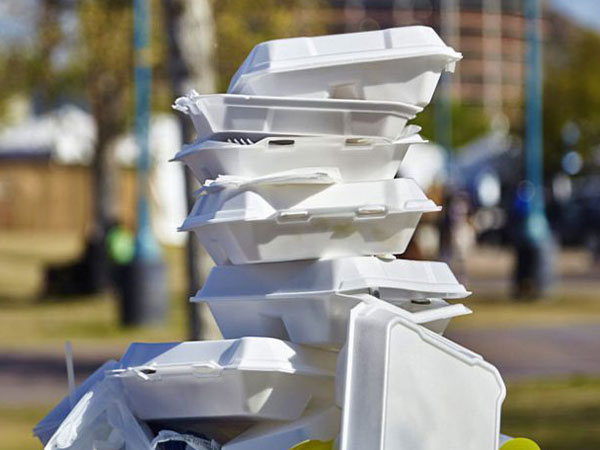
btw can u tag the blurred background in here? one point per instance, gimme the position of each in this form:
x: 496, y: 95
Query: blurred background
x: 89, y: 204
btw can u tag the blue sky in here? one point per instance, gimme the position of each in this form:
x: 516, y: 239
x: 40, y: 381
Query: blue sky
x: 586, y: 12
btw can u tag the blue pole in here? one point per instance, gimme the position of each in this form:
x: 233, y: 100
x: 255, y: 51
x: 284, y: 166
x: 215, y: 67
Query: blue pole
x: 537, y: 225
x: 144, y: 293
x: 533, y: 138
x: 146, y: 246
x: 535, y: 246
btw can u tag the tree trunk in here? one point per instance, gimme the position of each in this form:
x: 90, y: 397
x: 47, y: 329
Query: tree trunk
x: 49, y: 38
x: 190, y: 32
x: 105, y: 103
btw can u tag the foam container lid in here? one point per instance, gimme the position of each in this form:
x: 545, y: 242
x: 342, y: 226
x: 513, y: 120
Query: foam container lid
x: 310, y: 66
x: 403, y: 386
x: 256, y: 378
x: 245, y: 354
x: 398, y: 278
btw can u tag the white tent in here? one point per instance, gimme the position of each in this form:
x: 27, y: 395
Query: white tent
x: 68, y: 136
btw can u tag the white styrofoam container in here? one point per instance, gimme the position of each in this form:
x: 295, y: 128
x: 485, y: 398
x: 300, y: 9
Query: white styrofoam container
x: 358, y: 159
x: 309, y: 302
x: 285, y: 116
x: 321, y: 423
x: 318, y: 321
x: 395, y: 279
x: 403, y: 386
x: 253, y: 378
x: 399, y: 64
x: 287, y: 222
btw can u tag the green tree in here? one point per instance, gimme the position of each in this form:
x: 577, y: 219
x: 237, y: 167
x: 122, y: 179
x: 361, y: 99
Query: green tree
x: 572, y: 94
x: 468, y: 122
x: 242, y: 24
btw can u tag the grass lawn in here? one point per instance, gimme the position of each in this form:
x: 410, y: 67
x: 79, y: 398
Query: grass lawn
x: 90, y: 321
x: 502, y: 312
x: 557, y: 414
x: 29, y: 321
x: 16, y: 425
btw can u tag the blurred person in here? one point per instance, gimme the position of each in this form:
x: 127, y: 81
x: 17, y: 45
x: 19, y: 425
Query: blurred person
x: 462, y: 236
x: 534, y: 246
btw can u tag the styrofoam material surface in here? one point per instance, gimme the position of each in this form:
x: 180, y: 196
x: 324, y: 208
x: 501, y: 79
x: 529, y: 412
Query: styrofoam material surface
x: 316, y: 423
x: 284, y: 116
x: 320, y: 320
x: 394, y: 279
x: 311, y: 189
x: 359, y: 159
x: 253, y: 378
x: 406, y: 387
x: 400, y: 64
x: 267, y: 223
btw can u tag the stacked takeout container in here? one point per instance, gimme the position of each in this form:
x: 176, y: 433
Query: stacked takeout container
x: 327, y: 336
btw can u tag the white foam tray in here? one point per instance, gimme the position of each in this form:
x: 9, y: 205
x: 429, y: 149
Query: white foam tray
x: 399, y: 64
x: 286, y: 222
x: 358, y: 159
x: 315, y: 424
x: 253, y: 378
x: 402, y: 386
x: 309, y: 302
x: 285, y: 116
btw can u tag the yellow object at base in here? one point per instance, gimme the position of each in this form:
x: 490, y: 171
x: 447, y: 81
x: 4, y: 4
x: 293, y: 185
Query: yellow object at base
x: 520, y: 444
x: 313, y: 445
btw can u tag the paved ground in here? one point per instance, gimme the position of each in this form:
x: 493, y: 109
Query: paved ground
x: 529, y: 352
x: 41, y: 378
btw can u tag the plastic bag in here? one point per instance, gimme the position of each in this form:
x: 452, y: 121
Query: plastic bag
x: 49, y: 424
x: 191, y: 442
x: 101, y: 421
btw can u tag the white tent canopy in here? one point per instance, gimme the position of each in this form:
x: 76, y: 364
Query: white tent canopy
x: 68, y: 136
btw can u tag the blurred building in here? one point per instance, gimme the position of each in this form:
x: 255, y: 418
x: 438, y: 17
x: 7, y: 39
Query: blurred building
x: 489, y: 33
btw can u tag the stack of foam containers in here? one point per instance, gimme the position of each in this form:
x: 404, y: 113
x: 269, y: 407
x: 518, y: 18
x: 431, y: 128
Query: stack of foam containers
x: 327, y: 336
x: 300, y: 211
